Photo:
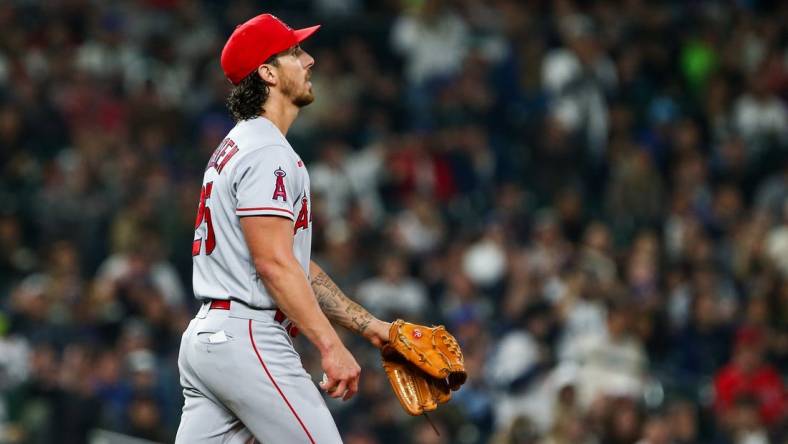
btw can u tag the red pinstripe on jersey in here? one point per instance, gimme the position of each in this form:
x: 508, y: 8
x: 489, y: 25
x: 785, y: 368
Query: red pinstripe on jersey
x: 284, y: 210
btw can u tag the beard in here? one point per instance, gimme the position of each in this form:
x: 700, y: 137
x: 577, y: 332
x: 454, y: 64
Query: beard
x: 299, y: 95
x: 304, y: 99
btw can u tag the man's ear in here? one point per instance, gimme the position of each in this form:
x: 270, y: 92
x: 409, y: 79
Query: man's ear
x: 267, y: 73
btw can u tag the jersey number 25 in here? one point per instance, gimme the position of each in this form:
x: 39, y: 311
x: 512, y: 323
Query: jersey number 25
x: 204, y: 216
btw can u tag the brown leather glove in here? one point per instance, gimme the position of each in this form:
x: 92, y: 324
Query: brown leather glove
x: 423, y: 365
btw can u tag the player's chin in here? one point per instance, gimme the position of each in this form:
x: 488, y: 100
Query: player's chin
x: 304, y: 99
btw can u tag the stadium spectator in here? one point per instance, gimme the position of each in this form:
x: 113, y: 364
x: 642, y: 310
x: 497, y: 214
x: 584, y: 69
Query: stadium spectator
x: 750, y: 380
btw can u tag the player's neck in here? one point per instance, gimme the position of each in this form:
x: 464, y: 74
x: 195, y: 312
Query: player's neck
x: 281, y: 113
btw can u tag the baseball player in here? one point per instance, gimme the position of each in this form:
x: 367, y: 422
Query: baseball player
x: 242, y: 380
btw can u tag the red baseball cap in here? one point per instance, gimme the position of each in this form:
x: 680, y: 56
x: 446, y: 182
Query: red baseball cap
x: 254, y: 41
x: 749, y: 337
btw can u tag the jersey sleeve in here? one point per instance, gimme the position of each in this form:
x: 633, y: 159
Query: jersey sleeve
x: 265, y: 182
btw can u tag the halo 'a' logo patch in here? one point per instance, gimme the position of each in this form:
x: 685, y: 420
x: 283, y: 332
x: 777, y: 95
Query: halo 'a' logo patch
x: 279, y: 187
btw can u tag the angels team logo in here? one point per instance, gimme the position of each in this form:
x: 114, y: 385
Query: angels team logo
x: 302, y: 221
x: 279, y: 188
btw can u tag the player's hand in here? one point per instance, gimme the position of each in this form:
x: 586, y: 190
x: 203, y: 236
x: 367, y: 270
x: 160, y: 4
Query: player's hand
x: 341, y: 373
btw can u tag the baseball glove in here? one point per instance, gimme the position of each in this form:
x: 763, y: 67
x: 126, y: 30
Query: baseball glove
x: 423, y: 364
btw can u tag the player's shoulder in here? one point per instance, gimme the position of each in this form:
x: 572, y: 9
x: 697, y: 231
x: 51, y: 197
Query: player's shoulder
x: 260, y: 143
x: 257, y: 133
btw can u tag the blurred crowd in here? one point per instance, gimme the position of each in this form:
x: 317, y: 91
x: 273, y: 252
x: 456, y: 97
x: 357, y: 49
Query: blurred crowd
x: 593, y: 196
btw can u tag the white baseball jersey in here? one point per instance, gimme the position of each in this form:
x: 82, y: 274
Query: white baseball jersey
x: 253, y: 172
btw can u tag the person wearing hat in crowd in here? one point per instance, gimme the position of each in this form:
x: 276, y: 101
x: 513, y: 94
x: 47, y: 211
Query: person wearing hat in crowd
x: 748, y: 380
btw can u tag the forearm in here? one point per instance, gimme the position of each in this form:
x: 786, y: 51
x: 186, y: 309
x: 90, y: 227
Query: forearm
x: 338, y: 307
x: 289, y: 287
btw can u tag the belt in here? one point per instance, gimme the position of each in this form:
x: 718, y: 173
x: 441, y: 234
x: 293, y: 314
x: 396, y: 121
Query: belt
x: 292, y: 330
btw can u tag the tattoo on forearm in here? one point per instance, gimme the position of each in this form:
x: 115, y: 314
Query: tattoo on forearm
x: 338, y: 307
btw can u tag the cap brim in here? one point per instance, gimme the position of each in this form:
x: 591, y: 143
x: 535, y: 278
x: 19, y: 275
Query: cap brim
x: 304, y: 33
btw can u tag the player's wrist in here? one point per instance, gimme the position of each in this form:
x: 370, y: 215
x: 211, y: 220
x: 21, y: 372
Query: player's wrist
x: 327, y: 344
x: 378, y: 332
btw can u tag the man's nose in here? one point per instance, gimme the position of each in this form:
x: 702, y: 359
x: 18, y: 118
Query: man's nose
x: 307, y: 60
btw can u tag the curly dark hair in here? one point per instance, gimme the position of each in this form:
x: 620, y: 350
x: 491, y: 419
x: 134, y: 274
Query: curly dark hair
x: 246, y: 99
